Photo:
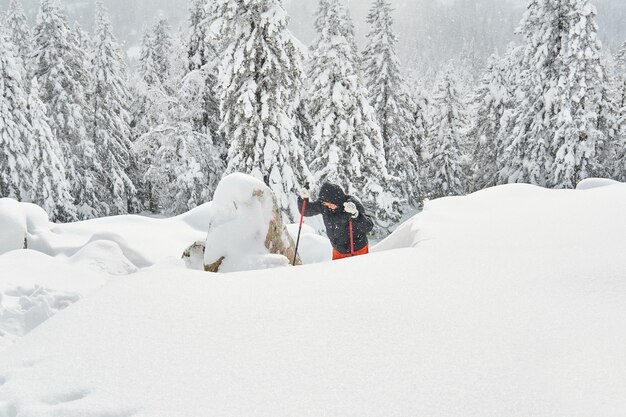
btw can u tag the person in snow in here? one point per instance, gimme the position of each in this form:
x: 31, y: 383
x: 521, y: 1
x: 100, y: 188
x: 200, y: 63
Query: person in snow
x: 347, y: 224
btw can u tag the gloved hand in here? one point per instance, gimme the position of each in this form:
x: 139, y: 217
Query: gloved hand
x: 350, y: 208
x: 305, y: 193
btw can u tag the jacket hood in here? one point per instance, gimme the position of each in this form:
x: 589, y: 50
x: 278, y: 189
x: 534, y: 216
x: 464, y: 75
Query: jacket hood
x: 333, y: 194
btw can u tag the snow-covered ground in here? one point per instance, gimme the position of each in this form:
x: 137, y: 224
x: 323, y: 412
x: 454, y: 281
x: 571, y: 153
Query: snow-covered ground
x: 509, y: 302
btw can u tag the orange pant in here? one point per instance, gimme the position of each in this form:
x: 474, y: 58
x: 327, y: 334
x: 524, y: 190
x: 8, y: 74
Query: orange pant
x: 338, y: 255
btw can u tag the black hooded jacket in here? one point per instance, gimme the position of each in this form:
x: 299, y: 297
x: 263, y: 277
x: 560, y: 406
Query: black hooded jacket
x: 337, y: 221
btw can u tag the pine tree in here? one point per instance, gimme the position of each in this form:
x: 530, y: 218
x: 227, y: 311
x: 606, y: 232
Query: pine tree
x: 582, y: 91
x: 59, y: 66
x: 19, y: 34
x: 320, y: 15
x: 148, y: 69
x: 418, y: 102
x: 619, y: 151
x: 15, y: 169
x: 347, y: 138
x: 391, y: 102
x: 260, y: 76
x: 162, y: 48
x: 50, y: 190
x: 489, y: 104
x: 202, y: 57
x: 446, y: 138
x: 303, y: 123
x: 111, y: 100
x: 556, y: 127
x: 199, y: 51
x: 150, y: 109
x: 186, y: 167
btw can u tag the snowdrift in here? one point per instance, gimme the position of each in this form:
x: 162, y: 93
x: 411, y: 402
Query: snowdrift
x: 510, y: 302
x: 88, y: 254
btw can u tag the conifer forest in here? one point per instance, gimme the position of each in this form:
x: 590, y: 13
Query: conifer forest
x: 85, y: 132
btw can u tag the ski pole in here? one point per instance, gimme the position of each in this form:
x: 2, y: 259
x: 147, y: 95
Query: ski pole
x: 295, y: 255
x: 351, y: 239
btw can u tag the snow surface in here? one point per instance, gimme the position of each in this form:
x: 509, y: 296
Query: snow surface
x: 313, y: 247
x: 591, y: 183
x: 66, y: 262
x: 509, y: 302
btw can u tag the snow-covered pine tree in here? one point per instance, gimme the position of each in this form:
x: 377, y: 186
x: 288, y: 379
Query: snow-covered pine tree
x: 59, y: 67
x: 202, y: 57
x: 391, y: 103
x: 110, y: 101
x: 419, y: 103
x: 344, y: 18
x: 620, y: 76
x: 619, y: 164
x: 320, y: 15
x: 162, y: 48
x: 50, y: 188
x: 489, y: 103
x: 582, y: 92
x: 199, y: 51
x: 555, y: 128
x: 15, y: 169
x: 83, y: 40
x: 446, y: 136
x: 348, y: 144
x: 150, y: 108
x: 19, y: 34
x: 85, y: 74
x: 186, y: 167
x: 260, y: 77
x: 304, y: 124
x: 148, y: 70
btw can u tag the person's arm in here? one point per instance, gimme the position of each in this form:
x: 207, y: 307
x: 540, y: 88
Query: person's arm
x: 313, y: 208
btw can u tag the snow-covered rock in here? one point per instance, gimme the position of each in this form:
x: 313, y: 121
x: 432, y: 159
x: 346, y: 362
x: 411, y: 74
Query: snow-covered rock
x: 246, y: 230
x: 194, y: 256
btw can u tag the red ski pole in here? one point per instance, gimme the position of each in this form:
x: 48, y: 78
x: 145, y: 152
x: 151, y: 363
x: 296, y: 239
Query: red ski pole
x: 295, y: 255
x: 351, y: 239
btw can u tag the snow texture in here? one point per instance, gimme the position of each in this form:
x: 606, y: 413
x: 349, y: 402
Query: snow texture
x: 508, y: 302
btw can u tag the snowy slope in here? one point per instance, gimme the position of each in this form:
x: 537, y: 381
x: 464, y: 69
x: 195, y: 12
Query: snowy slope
x: 68, y: 261
x: 510, y: 302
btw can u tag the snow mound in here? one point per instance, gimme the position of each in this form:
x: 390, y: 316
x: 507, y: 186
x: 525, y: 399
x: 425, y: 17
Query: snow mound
x: 144, y: 241
x: 245, y: 228
x: 509, y: 302
x: 503, y: 220
x: 313, y: 248
x: 13, y: 226
x: 591, y: 183
x: 18, y: 221
x: 105, y: 256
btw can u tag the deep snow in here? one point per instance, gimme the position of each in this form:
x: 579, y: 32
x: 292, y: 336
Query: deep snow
x: 509, y: 302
